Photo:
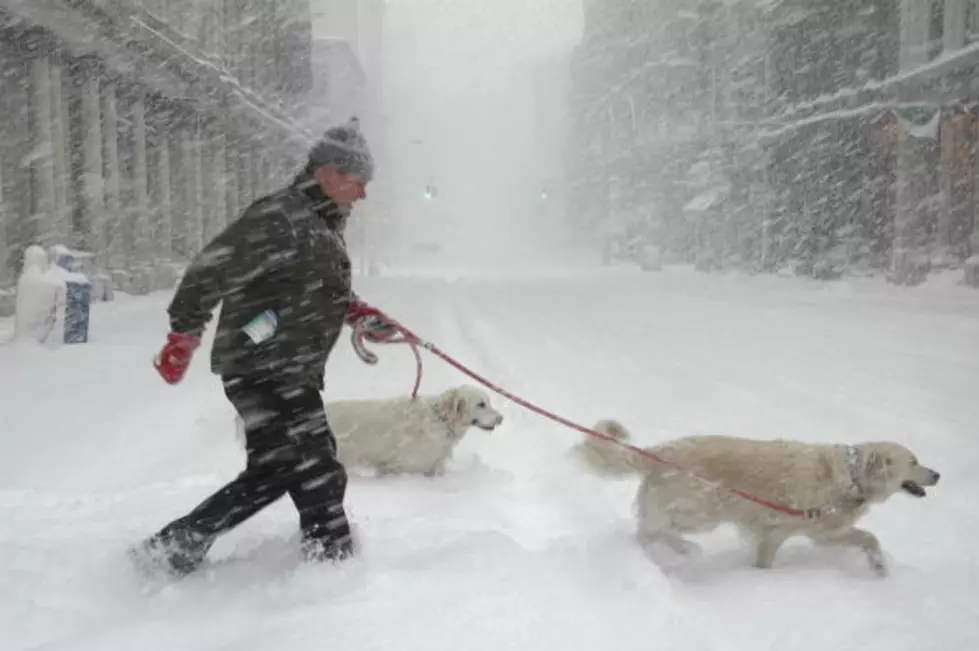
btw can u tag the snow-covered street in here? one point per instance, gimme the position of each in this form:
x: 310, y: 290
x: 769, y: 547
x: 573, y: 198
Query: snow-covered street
x: 516, y: 547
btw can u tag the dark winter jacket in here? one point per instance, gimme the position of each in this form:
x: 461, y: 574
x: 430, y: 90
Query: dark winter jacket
x: 283, y: 274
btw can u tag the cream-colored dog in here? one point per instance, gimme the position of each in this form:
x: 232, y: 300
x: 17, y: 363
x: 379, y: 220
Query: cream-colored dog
x: 841, y: 480
x: 404, y: 435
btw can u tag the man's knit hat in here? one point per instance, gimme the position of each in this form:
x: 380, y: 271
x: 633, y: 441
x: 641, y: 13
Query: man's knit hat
x: 345, y: 148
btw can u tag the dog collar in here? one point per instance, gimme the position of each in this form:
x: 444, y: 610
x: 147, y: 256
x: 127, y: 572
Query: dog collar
x: 856, y: 471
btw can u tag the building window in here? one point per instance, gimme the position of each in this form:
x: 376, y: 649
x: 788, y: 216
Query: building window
x: 936, y: 29
x: 971, y: 28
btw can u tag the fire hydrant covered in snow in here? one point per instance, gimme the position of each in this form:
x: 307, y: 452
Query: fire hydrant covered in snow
x: 52, y: 302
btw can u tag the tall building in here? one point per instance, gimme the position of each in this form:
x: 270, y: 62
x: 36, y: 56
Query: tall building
x: 339, y: 84
x: 349, y: 80
x: 360, y: 23
x: 872, y: 145
x: 144, y: 129
x: 551, y: 87
x: 638, y: 106
x: 818, y: 138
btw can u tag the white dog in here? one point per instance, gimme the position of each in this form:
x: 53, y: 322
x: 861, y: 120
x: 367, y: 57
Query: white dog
x: 403, y: 434
x: 841, y: 480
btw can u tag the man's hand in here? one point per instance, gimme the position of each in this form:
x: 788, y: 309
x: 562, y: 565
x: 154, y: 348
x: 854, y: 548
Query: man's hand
x: 357, y: 310
x: 374, y: 324
x: 174, y: 358
x: 377, y: 329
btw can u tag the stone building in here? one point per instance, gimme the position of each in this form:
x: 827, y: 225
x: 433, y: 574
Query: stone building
x: 135, y: 129
x: 819, y: 137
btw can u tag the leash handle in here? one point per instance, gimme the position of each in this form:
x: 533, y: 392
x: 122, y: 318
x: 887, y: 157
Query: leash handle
x: 360, y: 346
x: 359, y: 343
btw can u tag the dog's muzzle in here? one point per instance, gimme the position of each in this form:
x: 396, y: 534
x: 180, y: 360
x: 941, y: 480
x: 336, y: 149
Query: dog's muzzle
x: 914, y: 488
x: 488, y: 427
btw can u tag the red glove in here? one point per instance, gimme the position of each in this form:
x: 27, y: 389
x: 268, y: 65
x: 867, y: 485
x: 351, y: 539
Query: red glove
x: 173, y: 360
x: 357, y: 310
x: 375, y: 324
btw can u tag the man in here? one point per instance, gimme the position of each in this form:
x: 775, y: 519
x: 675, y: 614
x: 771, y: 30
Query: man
x: 283, y: 274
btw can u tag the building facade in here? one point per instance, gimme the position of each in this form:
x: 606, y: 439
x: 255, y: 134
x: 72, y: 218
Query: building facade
x: 349, y: 81
x: 823, y: 138
x: 638, y: 110
x: 883, y: 137
x: 135, y: 130
x: 339, y: 89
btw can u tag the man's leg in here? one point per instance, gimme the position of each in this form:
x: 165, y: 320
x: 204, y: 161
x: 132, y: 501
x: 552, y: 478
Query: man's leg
x: 318, y: 484
x: 181, y: 545
x: 318, y: 490
x: 266, y: 413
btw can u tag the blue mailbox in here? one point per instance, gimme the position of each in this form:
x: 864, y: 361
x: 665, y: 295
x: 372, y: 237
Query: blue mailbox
x: 78, y: 294
x: 78, y: 301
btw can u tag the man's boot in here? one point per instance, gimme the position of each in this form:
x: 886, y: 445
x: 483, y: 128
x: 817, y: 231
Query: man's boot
x: 172, y: 551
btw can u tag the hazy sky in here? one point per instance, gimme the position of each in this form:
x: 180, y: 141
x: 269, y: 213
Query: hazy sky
x: 460, y: 102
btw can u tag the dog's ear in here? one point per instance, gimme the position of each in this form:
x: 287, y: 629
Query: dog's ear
x: 878, y: 463
x: 454, y: 403
x: 460, y: 404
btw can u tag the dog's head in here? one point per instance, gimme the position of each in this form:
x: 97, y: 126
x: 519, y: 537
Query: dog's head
x: 466, y: 406
x: 891, y: 467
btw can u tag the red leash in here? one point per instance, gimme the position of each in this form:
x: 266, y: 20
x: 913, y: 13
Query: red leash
x: 414, y: 341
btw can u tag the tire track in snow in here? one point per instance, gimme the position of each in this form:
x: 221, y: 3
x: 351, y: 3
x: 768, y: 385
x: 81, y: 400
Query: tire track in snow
x: 566, y: 501
x: 528, y: 446
x: 583, y: 523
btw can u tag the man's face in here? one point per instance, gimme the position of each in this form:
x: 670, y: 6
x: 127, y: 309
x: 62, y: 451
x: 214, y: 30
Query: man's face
x: 343, y: 189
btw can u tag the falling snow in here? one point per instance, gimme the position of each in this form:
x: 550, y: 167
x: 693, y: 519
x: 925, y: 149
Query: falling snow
x: 746, y: 217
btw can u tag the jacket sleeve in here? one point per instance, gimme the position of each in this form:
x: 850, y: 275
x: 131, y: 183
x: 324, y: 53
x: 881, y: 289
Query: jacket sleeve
x: 261, y: 241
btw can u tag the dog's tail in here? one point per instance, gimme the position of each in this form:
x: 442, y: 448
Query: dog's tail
x: 605, y: 457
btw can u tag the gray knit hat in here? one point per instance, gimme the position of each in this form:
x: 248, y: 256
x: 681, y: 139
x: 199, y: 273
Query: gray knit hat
x: 345, y: 148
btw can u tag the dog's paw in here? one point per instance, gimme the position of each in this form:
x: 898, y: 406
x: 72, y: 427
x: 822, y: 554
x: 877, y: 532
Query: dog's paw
x: 675, y: 545
x: 438, y: 470
x: 686, y: 547
x: 667, y: 557
x: 877, y: 563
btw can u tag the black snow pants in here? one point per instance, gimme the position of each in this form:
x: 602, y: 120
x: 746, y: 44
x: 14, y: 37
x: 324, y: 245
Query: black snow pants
x: 290, y: 449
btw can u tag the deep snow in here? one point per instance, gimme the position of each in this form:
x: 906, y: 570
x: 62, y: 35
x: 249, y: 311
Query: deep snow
x: 516, y: 547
